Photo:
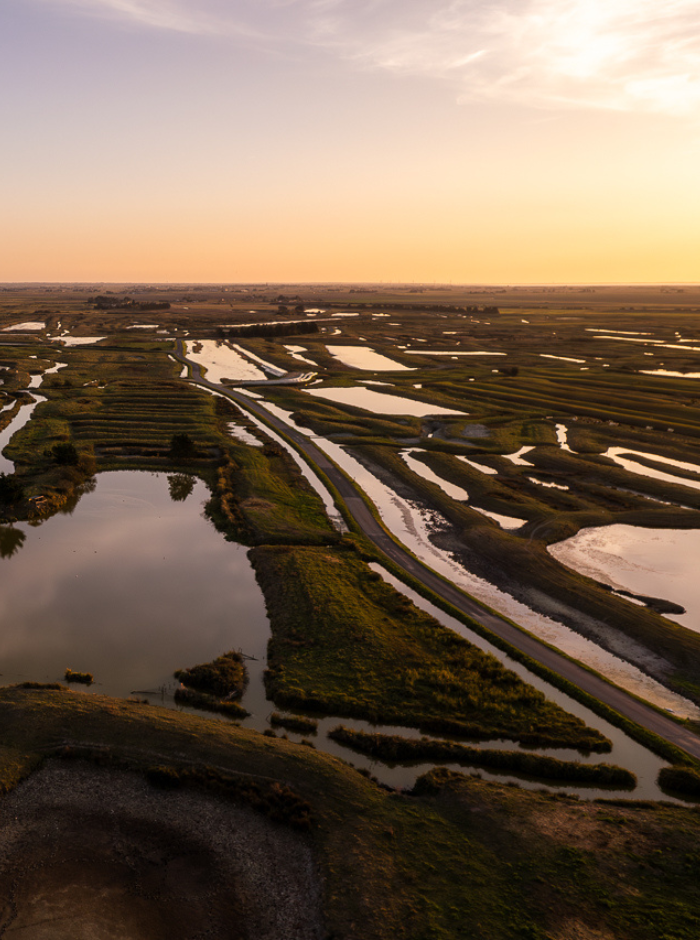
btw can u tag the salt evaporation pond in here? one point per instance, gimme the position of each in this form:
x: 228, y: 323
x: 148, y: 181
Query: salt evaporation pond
x: 413, y: 526
x: 505, y: 522
x: 423, y: 470
x: 669, y: 374
x: 561, y: 358
x: 359, y: 357
x: 489, y: 471
x: 456, y: 492
x: 451, y: 352
x: 651, y: 562
x: 381, y: 404
x: 131, y: 586
x: 29, y: 327
x: 222, y: 362
x: 79, y: 340
x: 625, y: 458
x: 296, y: 353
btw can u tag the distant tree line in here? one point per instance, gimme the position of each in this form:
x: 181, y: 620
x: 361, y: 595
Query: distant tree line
x: 101, y: 302
x: 267, y: 329
x: 439, y: 308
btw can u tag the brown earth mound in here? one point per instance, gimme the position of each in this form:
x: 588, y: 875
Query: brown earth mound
x: 94, y: 854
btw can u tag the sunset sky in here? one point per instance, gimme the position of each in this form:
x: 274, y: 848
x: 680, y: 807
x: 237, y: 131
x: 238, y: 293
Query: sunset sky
x: 350, y: 140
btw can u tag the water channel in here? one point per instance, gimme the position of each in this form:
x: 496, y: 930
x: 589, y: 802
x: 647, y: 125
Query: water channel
x: 135, y: 583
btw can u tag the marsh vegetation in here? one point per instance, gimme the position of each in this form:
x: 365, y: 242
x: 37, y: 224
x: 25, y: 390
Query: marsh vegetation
x: 485, y: 389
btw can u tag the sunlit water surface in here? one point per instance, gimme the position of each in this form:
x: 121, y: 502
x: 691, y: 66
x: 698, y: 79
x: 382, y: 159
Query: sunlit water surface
x: 651, y: 562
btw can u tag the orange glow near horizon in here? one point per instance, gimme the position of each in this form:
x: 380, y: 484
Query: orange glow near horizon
x: 163, y: 143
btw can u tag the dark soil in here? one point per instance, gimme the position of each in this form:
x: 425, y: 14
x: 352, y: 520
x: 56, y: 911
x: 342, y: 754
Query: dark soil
x: 99, y: 855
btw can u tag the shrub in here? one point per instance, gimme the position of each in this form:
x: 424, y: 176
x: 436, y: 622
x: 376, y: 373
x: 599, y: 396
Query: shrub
x: 11, y: 490
x: 182, y: 447
x: 65, y: 454
x: 224, y: 677
x: 84, y: 678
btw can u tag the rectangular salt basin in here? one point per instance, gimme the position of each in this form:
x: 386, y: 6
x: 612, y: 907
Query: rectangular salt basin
x: 562, y: 358
x: 29, y: 326
x: 80, y: 340
x: 222, y: 362
x: 359, y: 357
x: 451, y: 352
x: 380, y: 403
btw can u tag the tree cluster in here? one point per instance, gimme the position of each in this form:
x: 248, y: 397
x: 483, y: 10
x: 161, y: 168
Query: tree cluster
x: 438, y: 308
x: 102, y: 302
x: 267, y: 330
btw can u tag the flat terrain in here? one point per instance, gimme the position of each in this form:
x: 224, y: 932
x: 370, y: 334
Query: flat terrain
x: 459, y: 857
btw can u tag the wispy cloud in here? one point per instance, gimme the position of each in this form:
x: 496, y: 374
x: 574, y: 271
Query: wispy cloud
x: 613, y: 54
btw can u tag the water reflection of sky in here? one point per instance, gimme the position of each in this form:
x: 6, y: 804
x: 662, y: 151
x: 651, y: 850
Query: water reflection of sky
x: 655, y: 562
x: 130, y: 587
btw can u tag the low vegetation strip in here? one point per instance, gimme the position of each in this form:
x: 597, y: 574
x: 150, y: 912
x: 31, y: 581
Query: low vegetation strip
x: 682, y: 780
x: 209, y: 703
x: 294, y: 723
x: 344, y: 642
x: 393, y: 748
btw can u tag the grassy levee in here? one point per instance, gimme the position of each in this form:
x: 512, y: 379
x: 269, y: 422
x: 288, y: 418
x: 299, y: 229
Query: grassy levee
x: 495, y: 555
x: 460, y: 858
x: 346, y: 643
x: 394, y: 748
x: 15, y: 765
x: 260, y: 496
x: 325, y: 417
x: 562, y: 395
x: 643, y: 736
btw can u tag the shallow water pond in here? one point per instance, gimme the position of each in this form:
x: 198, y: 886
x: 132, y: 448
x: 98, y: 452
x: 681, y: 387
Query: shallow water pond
x: 652, y: 562
x: 222, y: 362
x: 132, y: 586
x: 359, y: 357
x: 382, y: 404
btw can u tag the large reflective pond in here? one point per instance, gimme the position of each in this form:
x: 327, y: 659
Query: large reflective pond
x: 132, y: 586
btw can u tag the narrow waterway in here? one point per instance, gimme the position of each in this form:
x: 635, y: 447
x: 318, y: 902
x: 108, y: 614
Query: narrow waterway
x: 135, y: 584
x: 413, y: 525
